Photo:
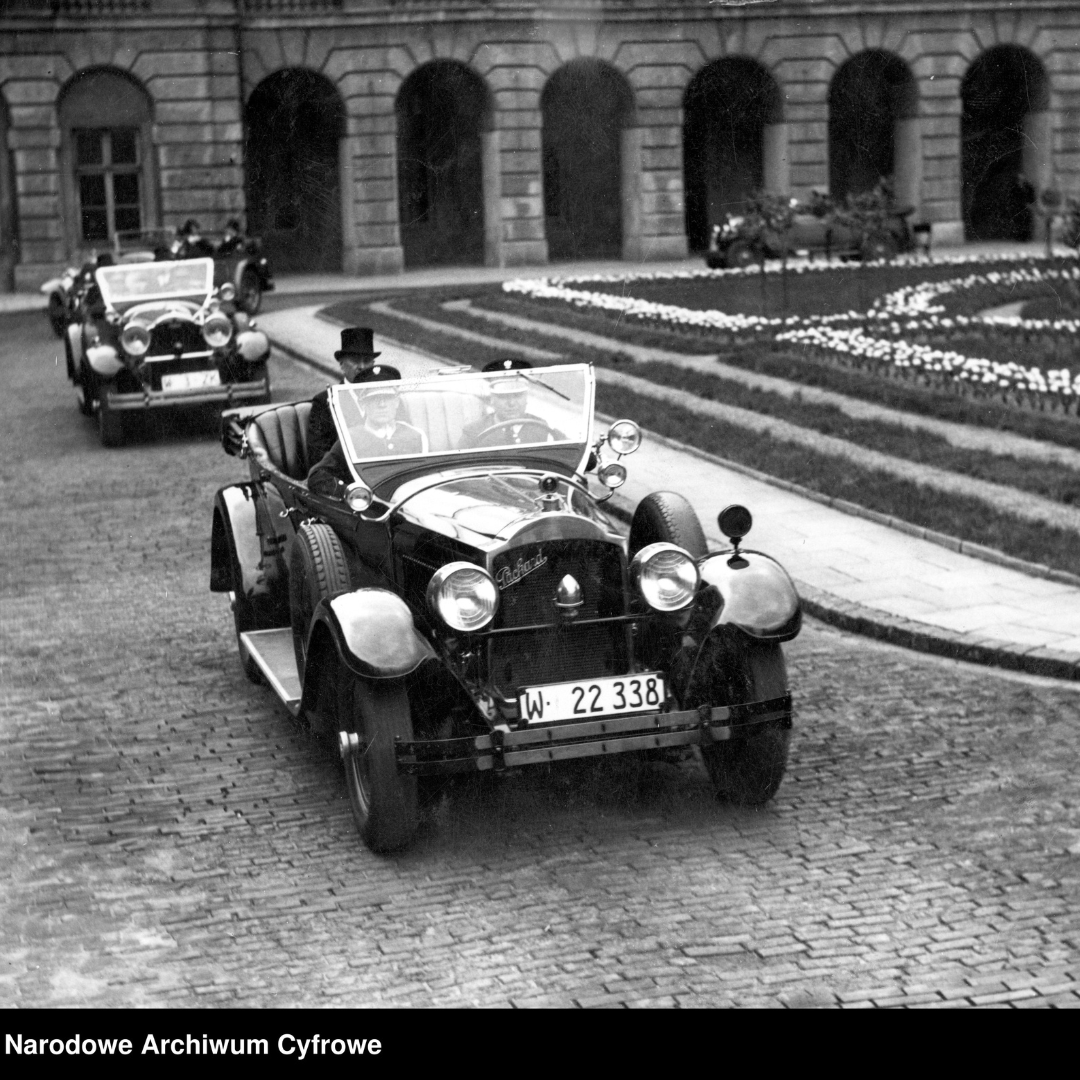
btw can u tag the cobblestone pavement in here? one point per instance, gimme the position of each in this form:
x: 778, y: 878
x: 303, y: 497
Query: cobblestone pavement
x: 168, y: 838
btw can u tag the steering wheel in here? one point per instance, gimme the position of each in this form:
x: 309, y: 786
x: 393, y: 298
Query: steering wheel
x: 492, y: 435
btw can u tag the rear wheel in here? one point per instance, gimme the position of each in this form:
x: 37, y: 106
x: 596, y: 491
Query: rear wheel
x: 318, y: 570
x: 384, y: 800
x: 250, y: 291
x: 664, y: 517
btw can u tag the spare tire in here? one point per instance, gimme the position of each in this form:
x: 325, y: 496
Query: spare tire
x: 664, y: 517
x: 318, y: 570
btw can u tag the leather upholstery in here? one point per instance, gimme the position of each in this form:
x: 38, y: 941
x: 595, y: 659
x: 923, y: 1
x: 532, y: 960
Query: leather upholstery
x: 442, y: 414
x: 277, y: 439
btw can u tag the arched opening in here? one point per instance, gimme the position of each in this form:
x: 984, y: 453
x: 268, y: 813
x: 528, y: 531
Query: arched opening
x: 870, y: 97
x: 1004, y: 143
x: 727, y: 107
x: 442, y: 109
x: 585, y: 106
x: 106, y: 158
x: 9, y: 231
x: 295, y: 120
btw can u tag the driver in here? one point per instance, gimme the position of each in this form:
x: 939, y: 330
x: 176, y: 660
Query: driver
x: 381, y: 435
x: 509, y: 412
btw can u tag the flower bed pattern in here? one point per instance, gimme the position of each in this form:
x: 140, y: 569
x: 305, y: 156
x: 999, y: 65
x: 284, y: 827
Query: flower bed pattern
x: 906, y: 334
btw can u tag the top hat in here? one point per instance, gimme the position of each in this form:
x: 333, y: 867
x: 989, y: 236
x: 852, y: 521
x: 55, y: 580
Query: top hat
x: 506, y: 365
x: 381, y: 379
x: 359, y: 342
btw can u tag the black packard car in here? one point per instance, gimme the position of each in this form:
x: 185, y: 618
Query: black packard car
x: 155, y: 335
x: 472, y: 606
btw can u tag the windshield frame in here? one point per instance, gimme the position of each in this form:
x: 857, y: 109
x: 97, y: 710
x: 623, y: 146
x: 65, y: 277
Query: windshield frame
x: 567, y: 457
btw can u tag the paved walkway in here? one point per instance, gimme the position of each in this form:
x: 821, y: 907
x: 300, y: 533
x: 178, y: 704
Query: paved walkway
x: 853, y: 571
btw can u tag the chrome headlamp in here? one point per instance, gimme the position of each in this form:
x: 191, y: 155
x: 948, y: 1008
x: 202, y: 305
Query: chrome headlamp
x: 135, y: 339
x: 666, y: 577
x: 217, y: 330
x: 624, y: 437
x: 227, y: 292
x: 358, y: 496
x: 612, y: 475
x: 463, y: 596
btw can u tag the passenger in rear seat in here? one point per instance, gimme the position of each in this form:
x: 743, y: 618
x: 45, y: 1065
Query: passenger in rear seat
x: 356, y: 356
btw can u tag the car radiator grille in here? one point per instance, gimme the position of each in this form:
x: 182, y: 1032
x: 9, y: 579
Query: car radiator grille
x: 166, y: 336
x: 561, y: 649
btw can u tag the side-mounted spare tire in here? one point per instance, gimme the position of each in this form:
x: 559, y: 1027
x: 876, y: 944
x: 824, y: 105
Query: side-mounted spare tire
x: 664, y: 517
x: 318, y: 570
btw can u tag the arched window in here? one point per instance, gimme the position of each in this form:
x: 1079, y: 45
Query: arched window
x: 105, y: 123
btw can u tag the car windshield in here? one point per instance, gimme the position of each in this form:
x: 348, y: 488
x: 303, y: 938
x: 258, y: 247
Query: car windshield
x: 128, y: 284
x: 465, y: 412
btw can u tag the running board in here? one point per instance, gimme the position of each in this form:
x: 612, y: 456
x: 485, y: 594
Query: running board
x: 273, y: 651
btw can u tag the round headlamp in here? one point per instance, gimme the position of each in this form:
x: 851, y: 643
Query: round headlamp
x: 463, y: 595
x: 135, y: 339
x: 217, y: 330
x: 624, y: 437
x: 612, y: 475
x: 227, y: 292
x: 666, y: 577
x: 358, y: 496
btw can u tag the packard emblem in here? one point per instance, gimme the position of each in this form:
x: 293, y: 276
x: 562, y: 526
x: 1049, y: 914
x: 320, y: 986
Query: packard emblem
x: 511, y: 575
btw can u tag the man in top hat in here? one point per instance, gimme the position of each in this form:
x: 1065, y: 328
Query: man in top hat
x: 509, y: 412
x: 382, y: 433
x: 356, y: 355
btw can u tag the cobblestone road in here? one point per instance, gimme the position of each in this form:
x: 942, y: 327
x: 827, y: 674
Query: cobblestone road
x: 169, y: 839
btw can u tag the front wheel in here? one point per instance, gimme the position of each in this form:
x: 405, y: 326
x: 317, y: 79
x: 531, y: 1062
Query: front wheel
x: 110, y: 423
x: 384, y: 800
x: 86, y: 389
x: 749, y: 771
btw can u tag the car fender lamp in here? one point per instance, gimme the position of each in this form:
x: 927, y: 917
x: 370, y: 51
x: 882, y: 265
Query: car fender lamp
x: 735, y: 522
x: 612, y: 475
x: 358, y: 496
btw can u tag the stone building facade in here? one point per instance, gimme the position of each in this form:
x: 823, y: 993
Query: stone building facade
x: 372, y: 135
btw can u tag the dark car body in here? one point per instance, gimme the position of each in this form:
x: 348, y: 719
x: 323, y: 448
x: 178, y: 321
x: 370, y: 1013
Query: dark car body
x: 475, y: 606
x: 811, y: 233
x: 153, y: 335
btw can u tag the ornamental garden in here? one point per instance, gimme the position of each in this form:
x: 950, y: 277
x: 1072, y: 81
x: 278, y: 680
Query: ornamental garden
x: 943, y: 391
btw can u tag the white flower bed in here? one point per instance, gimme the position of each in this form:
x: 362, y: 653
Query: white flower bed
x: 897, y: 315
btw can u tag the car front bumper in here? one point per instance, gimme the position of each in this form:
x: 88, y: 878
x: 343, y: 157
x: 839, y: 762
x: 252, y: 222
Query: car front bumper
x: 504, y: 749
x: 227, y: 394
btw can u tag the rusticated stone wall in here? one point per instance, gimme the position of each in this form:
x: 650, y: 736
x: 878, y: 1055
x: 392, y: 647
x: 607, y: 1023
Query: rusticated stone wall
x: 191, y: 58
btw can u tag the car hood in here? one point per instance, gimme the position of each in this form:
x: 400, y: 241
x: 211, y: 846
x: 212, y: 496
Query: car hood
x: 486, y: 511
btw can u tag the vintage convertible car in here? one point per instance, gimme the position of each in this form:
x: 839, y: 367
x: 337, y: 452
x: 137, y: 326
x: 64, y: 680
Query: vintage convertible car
x: 812, y: 232
x: 473, y: 605
x: 159, y: 335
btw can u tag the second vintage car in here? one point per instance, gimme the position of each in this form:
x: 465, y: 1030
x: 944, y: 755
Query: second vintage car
x: 467, y: 602
x: 153, y: 335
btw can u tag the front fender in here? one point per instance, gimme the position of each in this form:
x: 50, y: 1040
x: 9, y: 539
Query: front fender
x: 374, y: 633
x: 236, y: 562
x: 756, y: 595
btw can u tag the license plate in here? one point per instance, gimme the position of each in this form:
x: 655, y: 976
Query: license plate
x: 190, y: 380
x: 643, y: 692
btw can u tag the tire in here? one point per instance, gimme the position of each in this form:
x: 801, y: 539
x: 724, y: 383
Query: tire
x: 110, y: 424
x: 734, y: 669
x: 318, y: 570
x: 57, y: 312
x: 878, y: 247
x: 384, y: 801
x: 86, y: 389
x: 664, y: 517
x: 250, y: 291
x: 739, y: 254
